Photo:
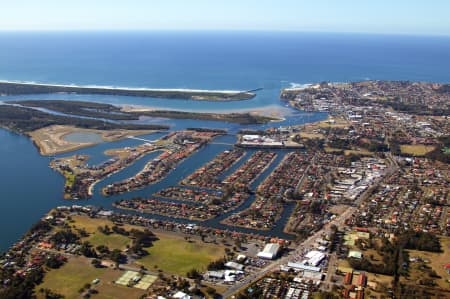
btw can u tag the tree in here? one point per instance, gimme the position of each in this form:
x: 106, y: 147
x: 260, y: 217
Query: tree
x: 96, y: 263
x: 325, y: 295
x: 102, y: 249
x: 105, y: 230
x: 117, y: 256
x: 83, y: 233
x: 54, y: 262
x: 217, y: 265
x: 49, y: 294
x: 65, y: 236
x: 238, y: 243
x: 211, y: 291
x: 87, y: 250
x: 193, y: 274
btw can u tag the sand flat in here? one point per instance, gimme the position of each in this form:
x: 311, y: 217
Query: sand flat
x: 50, y: 140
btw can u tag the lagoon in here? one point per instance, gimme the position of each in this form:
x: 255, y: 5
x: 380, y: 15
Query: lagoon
x: 83, y: 137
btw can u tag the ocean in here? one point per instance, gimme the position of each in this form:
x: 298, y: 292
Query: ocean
x: 191, y: 60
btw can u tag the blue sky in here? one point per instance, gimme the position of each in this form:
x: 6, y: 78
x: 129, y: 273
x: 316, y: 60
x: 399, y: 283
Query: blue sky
x: 376, y: 16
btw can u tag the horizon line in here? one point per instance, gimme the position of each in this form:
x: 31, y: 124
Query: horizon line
x: 150, y: 30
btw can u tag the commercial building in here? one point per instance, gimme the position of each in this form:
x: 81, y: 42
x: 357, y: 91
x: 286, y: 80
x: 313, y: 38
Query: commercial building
x: 299, y: 266
x: 234, y: 266
x: 314, y: 257
x: 270, y: 251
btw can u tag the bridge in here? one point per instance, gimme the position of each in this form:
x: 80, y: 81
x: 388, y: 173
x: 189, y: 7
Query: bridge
x: 154, y: 141
x: 141, y: 139
x: 221, y: 143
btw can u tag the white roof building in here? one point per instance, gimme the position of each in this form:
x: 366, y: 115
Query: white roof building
x: 241, y: 258
x: 300, y: 266
x: 181, y: 295
x: 270, y: 251
x: 251, y: 137
x: 315, y: 257
x: 216, y: 274
x: 231, y: 275
x: 234, y: 265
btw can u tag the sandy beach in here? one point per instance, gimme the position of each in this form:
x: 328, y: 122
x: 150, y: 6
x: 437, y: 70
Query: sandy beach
x: 275, y: 111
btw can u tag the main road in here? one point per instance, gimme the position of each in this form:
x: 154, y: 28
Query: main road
x: 308, y: 243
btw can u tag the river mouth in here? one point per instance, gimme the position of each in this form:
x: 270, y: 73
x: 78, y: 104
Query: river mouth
x: 83, y: 137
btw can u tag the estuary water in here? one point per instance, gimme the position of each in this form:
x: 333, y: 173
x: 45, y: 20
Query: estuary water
x: 191, y: 60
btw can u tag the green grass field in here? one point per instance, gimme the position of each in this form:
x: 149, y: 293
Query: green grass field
x: 171, y: 253
x: 78, y: 271
x: 361, y: 152
x: 70, y: 178
x: 416, y: 150
x: 96, y: 238
x: 112, y: 241
x: 436, y: 261
x: 175, y: 255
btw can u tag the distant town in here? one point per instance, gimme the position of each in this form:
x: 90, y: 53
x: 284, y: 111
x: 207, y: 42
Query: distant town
x: 360, y: 201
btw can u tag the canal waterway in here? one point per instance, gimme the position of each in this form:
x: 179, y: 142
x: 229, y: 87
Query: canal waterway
x: 33, y: 188
x: 197, y: 60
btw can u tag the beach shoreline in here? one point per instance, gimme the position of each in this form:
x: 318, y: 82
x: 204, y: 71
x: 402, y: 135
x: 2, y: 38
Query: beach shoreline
x: 22, y: 88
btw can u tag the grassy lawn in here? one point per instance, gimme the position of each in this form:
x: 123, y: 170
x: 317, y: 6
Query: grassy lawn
x: 378, y: 285
x: 171, y: 253
x: 416, y: 150
x: 112, y: 241
x: 338, y: 123
x: 373, y: 256
x: 344, y: 266
x: 417, y: 270
x: 361, y: 152
x: 175, y: 255
x: 70, y: 178
x: 332, y: 150
x: 78, y: 271
x: 91, y: 224
x: 435, y: 260
x: 311, y: 135
x: 380, y: 279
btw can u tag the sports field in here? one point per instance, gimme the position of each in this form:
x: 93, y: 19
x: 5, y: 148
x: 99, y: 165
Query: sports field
x: 78, y: 272
x: 173, y: 254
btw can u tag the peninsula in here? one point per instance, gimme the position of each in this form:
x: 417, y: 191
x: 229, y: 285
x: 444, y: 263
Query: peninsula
x: 56, y: 139
x: 19, y: 88
x: 49, y: 131
x: 112, y: 112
